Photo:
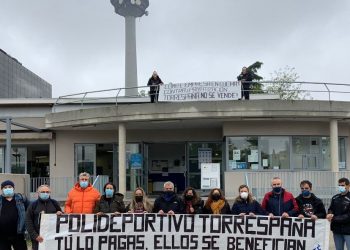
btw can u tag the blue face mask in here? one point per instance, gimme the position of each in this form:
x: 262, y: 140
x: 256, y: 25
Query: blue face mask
x: 8, y: 192
x: 109, y: 193
x: 305, y: 193
x: 277, y: 189
x: 44, y: 196
x: 341, y: 189
x: 84, y: 184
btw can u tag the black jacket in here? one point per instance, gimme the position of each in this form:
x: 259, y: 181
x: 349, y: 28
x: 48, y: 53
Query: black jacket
x: 174, y: 203
x: 115, y: 204
x: 340, y: 207
x: 33, y: 214
x: 242, y: 206
x: 311, y: 206
x: 224, y: 210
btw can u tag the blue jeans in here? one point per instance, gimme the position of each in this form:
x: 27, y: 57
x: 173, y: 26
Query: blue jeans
x: 340, y: 239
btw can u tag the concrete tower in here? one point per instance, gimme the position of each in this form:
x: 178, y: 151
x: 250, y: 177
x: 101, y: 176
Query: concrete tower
x: 130, y: 9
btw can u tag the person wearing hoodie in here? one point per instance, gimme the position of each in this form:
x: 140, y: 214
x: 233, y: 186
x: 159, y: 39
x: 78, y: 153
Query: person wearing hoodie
x: 168, y: 202
x: 111, y: 201
x: 44, y: 204
x: 82, y: 198
x: 245, y: 204
x: 309, y: 205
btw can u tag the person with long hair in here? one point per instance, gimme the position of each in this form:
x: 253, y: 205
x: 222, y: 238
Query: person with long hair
x: 216, y: 203
x: 111, y: 201
x: 140, y: 202
x: 245, y: 204
x: 193, y: 204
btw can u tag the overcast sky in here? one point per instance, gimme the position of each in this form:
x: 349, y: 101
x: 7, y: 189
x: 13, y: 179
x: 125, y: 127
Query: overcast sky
x: 78, y: 45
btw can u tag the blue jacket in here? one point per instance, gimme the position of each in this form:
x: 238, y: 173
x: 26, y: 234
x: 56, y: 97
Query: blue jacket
x: 21, y: 204
x: 242, y: 206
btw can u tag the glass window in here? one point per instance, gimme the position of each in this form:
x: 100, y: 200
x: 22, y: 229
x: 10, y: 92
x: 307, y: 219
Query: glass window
x: 18, y: 160
x: 201, y: 152
x: 342, y: 153
x: 274, y: 152
x: 2, y: 160
x: 85, y: 158
x: 243, y: 153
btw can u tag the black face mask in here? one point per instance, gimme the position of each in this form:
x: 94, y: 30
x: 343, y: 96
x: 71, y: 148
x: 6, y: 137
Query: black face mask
x: 216, y: 197
x: 168, y: 193
x: 138, y: 198
x: 189, y: 197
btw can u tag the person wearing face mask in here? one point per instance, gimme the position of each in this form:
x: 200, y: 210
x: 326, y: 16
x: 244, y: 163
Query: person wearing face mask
x: 12, y: 218
x: 216, y: 203
x: 309, y: 205
x: 140, y: 202
x: 82, y: 198
x: 44, y: 204
x: 168, y: 202
x: 192, y: 203
x: 245, y: 204
x: 339, y: 215
x: 111, y: 201
x: 279, y: 202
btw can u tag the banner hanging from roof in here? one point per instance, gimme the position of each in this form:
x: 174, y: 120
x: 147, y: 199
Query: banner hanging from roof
x: 199, y: 91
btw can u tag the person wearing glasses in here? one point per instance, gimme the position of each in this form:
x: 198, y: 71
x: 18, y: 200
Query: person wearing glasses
x: 309, y: 205
x: 44, y: 204
x: 339, y: 215
x: 83, y: 197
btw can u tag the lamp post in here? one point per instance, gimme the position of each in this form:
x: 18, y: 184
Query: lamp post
x: 130, y: 9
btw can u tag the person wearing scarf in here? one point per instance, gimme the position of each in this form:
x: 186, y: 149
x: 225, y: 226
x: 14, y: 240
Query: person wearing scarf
x: 193, y: 204
x: 216, y: 203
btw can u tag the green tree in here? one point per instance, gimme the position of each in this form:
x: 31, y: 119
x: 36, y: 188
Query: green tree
x: 283, y: 83
x: 256, y: 87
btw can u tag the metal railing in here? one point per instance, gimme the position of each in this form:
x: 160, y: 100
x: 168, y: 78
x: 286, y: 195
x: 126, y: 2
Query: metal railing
x: 315, y: 90
x: 323, y: 182
x: 60, y: 186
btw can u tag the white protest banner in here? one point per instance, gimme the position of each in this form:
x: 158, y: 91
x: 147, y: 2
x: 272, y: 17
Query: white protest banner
x: 199, y: 91
x: 154, y: 231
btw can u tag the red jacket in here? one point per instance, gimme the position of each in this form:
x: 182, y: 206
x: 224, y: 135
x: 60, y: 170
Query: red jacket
x: 277, y: 204
x: 81, y: 201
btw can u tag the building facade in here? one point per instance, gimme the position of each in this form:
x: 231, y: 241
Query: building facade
x: 145, y: 144
x: 16, y: 81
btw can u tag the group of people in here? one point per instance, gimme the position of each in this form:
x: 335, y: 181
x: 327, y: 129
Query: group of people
x: 17, y: 215
x: 245, y: 77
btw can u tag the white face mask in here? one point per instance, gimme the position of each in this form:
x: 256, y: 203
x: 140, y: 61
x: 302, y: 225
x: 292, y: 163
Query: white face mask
x: 244, y: 195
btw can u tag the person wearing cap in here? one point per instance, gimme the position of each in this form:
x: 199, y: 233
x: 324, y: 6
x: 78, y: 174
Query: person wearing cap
x: 12, y: 218
x: 44, y: 204
x: 111, y: 201
x: 82, y: 198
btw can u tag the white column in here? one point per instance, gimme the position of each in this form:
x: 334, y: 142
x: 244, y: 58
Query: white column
x: 130, y: 56
x: 122, y: 158
x: 334, y: 145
